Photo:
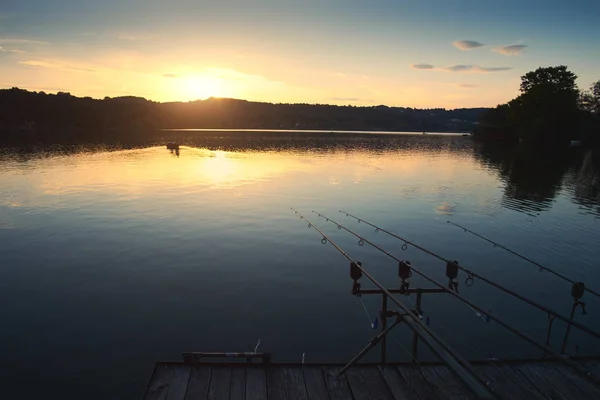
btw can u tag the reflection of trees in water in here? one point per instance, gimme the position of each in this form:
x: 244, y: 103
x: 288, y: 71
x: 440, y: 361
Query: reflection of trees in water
x: 583, y: 182
x: 317, y: 141
x: 534, y: 178
x: 239, y: 141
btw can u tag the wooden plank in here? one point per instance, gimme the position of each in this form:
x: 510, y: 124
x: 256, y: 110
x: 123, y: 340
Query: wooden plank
x: 590, y: 390
x: 238, y: 383
x: 295, y: 388
x: 337, y: 387
x: 168, y: 382
x: 220, y: 381
x: 275, y: 383
x: 367, y: 383
x: 400, y: 389
x: 199, y: 383
x: 256, y: 383
x: 533, y: 375
x: 559, y: 381
x: 315, y: 383
x: 450, y: 383
x: 593, y: 366
x: 505, y: 383
x: 422, y: 388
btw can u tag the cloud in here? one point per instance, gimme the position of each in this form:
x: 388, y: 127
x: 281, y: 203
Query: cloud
x: 467, y: 85
x: 475, y: 68
x: 352, y: 99
x: 170, y: 76
x: 459, y: 68
x: 21, y: 41
x: 511, y: 50
x: 467, y: 44
x: 54, y: 64
x: 421, y: 66
x: 492, y: 69
x: 5, y: 50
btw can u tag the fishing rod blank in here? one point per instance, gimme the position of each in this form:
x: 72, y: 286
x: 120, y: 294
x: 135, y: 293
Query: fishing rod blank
x: 523, y: 335
x: 476, y: 275
x: 540, y: 266
x: 472, y: 380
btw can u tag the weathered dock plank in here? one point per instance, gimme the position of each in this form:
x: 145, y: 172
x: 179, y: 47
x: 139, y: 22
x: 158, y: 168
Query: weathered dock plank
x: 199, y: 383
x: 423, y: 389
x: 396, y: 383
x: 367, y: 383
x: 505, y: 383
x: 523, y: 380
x: 337, y: 386
x: 451, y: 383
x: 536, y: 378
x: 295, y: 386
x: 315, y: 383
x: 580, y: 382
x: 256, y: 383
x: 168, y: 382
x: 275, y: 383
x: 238, y: 383
x: 220, y: 383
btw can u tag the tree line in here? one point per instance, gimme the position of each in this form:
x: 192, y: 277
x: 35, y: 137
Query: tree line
x: 63, y: 117
x: 550, y: 111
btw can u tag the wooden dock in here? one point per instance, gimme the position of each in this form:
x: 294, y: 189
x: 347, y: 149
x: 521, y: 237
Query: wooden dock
x: 516, y: 380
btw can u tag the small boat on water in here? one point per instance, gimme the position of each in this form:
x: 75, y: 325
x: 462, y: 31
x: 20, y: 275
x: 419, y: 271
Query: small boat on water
x: 173, y: 146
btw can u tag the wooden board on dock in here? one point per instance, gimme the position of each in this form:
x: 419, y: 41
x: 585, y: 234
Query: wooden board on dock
x: 272, y: 381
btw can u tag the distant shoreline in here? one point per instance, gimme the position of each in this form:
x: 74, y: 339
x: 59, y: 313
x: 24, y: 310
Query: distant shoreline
x: 312, y: 131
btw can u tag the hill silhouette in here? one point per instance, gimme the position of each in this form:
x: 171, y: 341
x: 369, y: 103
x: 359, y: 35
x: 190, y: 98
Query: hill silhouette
x: 61, y: 117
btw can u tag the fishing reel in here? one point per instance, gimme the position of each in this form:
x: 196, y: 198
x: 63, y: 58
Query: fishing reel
x: 452, y: 274
x: 404, y: 272
x: 577, y: 292
x: 356, y: 274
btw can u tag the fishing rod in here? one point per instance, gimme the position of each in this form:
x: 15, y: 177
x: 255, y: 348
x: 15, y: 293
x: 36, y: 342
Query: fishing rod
x: 523, y: 335
x: 476, y: 275
x: 540, y: 266
x: 473, y: 381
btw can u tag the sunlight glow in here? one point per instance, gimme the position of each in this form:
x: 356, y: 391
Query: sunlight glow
x: 201, y: 87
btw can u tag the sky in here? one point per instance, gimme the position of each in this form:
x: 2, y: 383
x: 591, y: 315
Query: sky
x: 411, y: 53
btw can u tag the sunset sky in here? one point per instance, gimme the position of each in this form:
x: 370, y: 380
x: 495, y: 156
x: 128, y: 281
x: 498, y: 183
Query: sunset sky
x: 439, y: 53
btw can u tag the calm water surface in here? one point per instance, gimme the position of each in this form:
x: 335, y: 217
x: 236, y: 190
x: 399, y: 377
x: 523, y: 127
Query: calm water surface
x: 112, y: 260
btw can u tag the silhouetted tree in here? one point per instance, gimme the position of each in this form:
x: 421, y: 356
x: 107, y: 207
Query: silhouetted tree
x: 547, y: 112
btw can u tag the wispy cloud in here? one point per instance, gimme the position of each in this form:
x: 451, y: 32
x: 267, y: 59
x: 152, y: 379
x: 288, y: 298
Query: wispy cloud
x: 55, y: 64
x: 5, y: 50
x: 467, y: 44
x: 492, y: 69
x: 422, y: 66
x: 21, y: 41
x: 511, y: 50
x: 467, y: 85
x: 170, y: 76
x: 475, y: 68
x: 459, y: 68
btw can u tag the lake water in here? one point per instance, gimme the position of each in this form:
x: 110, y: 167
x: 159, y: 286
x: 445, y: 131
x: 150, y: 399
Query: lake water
x: 115, y: 259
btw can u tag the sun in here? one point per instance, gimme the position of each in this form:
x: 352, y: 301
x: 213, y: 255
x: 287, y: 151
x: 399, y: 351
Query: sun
x: 201, y: 87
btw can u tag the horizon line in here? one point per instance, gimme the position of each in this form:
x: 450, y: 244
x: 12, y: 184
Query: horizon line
x: 213, y: 98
